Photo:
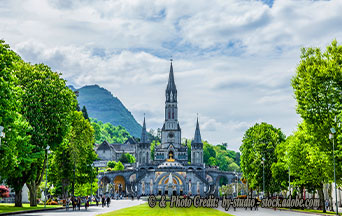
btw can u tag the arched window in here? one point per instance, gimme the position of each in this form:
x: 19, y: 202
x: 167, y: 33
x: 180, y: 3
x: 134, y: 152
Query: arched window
x: 173, y: 114
x: 169, y: 115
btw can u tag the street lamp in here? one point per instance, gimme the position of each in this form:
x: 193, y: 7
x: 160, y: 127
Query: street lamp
x: 331, y: 136
x: 289, y: 179
x: 2, y: 135
x: 263, y: 177
x: 46, y: 171
x: 237, y: 184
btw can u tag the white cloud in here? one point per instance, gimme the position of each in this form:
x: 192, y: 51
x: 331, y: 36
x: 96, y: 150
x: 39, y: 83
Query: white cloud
x: 233, y: 59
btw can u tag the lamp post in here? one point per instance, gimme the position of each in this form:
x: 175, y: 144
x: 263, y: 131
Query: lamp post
x: 331, y: 136
x: 263, y: 177
x: 289, y: 179
x: 73, y: 182
x: 91, y: 186
x: 46, y: 171
x: 237, y: 184
x: 2, y: 135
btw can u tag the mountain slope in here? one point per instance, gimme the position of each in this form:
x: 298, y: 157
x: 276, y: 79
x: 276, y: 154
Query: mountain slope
x: 103, y: 106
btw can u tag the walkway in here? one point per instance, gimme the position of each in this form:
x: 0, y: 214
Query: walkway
x: 92, y: 210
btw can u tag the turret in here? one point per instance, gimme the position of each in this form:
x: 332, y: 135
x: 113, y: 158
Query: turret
x: 143, y: 148
x: 197, y: 146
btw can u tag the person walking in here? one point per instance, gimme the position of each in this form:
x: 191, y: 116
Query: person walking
x: 73, y: 200
x: 79, y: 203
x: 103, y: 201
x: 108, y: 201
x: 97, y: 201
x: 86, y: 203
x: 67, y: 204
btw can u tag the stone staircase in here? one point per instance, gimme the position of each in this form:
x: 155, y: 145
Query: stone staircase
x: 198, y: 175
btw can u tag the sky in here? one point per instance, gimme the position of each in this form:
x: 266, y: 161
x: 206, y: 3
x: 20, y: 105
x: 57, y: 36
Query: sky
x: 233, y: 60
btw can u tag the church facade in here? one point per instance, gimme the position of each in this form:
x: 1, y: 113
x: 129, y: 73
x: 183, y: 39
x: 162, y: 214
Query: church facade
x: 169, y: 171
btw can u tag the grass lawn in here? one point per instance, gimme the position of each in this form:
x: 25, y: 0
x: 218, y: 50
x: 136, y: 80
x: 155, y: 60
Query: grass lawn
x: 9, y: 207
x: 144, y: 209
x: 314, y: 211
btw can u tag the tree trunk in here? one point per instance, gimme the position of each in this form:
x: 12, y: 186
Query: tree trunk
x: 301, y: 191
x: 258, y: 193
x: 321, y: 198
x: 34, y: 184
x: 33, y: 193
x: 18, y: 197
x: 330, y: 197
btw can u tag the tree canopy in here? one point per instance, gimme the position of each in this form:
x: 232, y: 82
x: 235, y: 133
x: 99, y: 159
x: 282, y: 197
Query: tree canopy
x: 109, y: 132
x: 258, y: 144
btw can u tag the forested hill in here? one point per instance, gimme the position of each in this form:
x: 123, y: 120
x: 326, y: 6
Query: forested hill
x: 103, y: 106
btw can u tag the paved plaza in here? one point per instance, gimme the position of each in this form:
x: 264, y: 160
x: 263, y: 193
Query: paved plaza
x: 92, y: 210
x: 119, y: 204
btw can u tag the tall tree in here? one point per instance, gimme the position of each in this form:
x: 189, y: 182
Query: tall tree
x: 313, y: 170
x: 258, y: 144
x: 47, y: 105
x: 85, y: 113
x: 80, y: 147
x: 15, y: 149
x: 317, y: 87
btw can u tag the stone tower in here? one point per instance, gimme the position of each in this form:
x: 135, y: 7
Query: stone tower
x: 143, y: 148
x: 197, y: 147
x: 171, y: 132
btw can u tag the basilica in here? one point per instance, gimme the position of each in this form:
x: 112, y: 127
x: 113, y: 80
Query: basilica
x: 169, y: 171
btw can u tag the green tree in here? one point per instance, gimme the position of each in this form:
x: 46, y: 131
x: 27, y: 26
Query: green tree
x: 311, y: 172
x: 85, y: 113
x: 131, y: 158
x: 16, y: 152
x: 317, y: 88
x: 111, y: 164
x: 208, y: 151
x: 119, y: 166
x: 212, y: 161
x: 109, y: 132
x: 259, y: 142
x: 80, y: 144
x: 74, y: 156
x: 97, y: 131
x: 280, y: 169
x: 127, y: 158
x: 154, y: 143
x: 47, y: 104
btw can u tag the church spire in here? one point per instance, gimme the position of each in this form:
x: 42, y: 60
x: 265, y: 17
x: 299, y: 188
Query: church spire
x: 171, y: 86
x: 197, y: 138
x: 144, y: 138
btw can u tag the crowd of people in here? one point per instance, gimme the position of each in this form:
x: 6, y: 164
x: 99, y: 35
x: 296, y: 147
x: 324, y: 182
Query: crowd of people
x: 76, y: 202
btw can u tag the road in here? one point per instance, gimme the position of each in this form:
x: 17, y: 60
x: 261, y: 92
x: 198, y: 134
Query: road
x: 92, y: 210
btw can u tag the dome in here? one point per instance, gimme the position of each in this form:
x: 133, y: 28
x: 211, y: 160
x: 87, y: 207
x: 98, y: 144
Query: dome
x: 169, y: 164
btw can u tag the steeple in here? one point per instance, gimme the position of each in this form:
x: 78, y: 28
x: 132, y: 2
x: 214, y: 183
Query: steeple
x: 197, y: 137
x: 171, y: 86
x: 144, y: 138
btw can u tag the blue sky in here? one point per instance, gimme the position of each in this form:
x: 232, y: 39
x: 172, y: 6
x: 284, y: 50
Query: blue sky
x: 233, y: 60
